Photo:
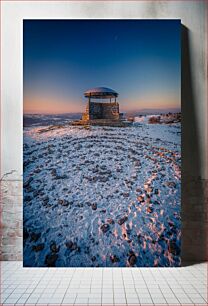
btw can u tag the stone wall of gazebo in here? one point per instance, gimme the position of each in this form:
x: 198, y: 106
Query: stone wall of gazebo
x: 101, y: 110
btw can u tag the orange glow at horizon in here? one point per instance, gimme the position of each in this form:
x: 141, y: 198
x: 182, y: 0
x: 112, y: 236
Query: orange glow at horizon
x: 54, y: 105
x: 151, y: 102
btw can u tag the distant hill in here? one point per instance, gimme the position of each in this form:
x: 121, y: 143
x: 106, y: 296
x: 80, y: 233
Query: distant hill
x: 155, y: 111
x: 43, y: 120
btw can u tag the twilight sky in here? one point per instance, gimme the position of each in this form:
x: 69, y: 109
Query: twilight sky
x: 140, y: 59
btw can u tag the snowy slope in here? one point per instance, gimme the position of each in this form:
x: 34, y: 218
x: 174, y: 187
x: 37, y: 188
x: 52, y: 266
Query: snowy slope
x: 102, y: 196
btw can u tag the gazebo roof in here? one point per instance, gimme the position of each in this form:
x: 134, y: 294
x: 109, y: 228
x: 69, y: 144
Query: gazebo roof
x: 101, y: 92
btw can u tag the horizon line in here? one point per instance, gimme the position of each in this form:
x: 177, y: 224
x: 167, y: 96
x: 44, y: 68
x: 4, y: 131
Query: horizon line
x: 125, y: 111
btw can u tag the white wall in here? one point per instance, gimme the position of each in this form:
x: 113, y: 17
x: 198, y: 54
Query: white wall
x: 191, y: 13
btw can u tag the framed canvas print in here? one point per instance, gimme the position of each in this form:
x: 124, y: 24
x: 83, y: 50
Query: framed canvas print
x: 102, y: 143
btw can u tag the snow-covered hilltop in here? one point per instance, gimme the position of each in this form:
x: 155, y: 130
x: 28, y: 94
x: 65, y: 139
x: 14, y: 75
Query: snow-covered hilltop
x: 102, y: 196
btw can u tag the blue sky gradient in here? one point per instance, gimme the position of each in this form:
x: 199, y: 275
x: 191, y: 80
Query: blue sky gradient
x: 140, y: 59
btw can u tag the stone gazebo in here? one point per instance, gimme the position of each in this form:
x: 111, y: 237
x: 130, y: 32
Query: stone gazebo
x: 102, y: 108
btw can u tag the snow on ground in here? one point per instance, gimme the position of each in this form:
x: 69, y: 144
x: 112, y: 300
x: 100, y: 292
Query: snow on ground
x: 102, y: 196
